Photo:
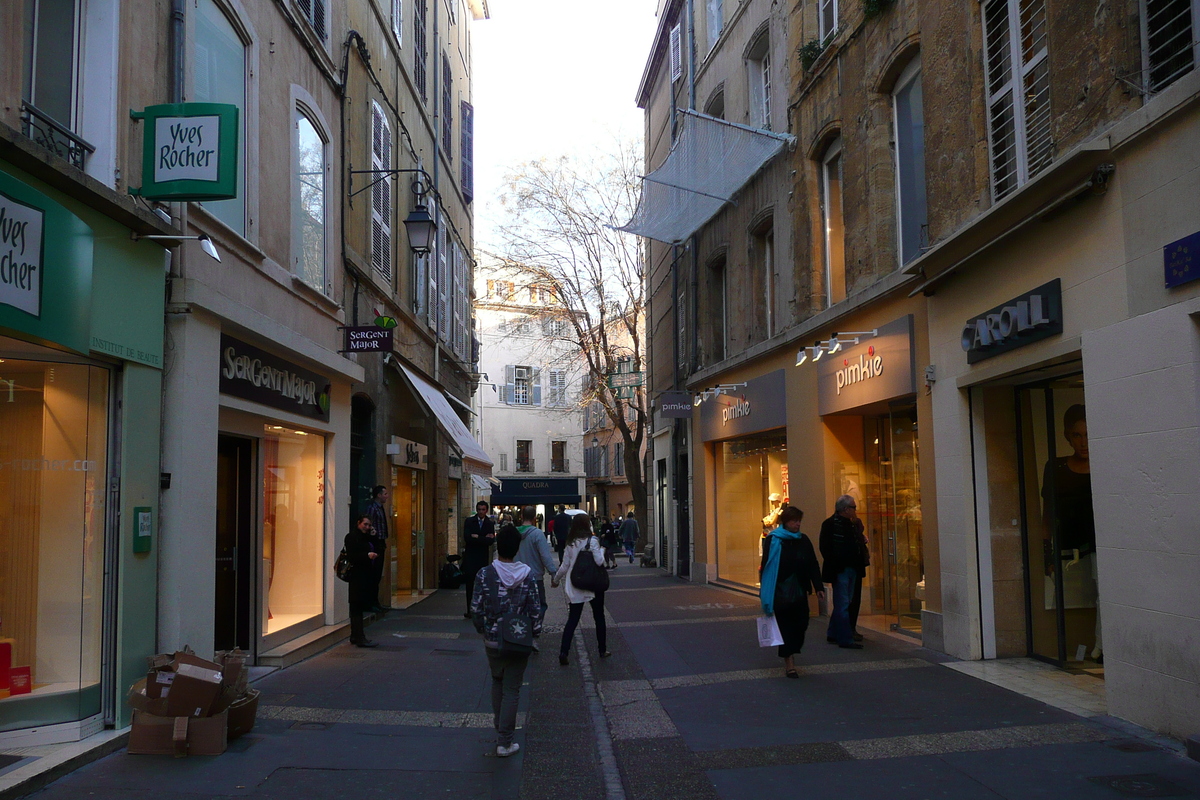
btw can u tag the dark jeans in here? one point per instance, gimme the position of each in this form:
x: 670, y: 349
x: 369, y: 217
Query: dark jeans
x: 629, y: 550
x: 573, y: 620
x: 507, y: 671
x: 855, y: 603
x: 839, y: 615
x: 541, y: 586
x: 470, y: 570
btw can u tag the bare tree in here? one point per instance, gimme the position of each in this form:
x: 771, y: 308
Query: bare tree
x: 559, y: 236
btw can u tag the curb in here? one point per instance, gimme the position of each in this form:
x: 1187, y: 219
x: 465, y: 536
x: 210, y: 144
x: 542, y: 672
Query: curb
x: 116, y: 740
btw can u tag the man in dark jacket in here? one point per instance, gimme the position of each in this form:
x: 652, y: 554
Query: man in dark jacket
x: 377, y: 513
x: 562, y: 525
x: 479, y: 532
x: 362, y: 555
x: 629, y: 534
x: 842, y: 565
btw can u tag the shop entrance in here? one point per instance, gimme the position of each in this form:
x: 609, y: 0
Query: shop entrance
x: 407, y: 544
x: 235, y: 537
x: 1057, y: 525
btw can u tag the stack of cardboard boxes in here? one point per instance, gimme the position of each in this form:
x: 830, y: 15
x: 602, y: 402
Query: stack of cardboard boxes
x: 189, y: 706
x: 13, y: 680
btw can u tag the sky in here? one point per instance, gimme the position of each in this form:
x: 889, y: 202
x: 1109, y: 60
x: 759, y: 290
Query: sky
x: 552, y: 77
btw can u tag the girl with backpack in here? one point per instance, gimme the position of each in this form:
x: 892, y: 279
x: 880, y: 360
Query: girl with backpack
x: 582, y: 545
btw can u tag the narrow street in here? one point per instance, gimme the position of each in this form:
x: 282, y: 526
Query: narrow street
x: 687, y: 707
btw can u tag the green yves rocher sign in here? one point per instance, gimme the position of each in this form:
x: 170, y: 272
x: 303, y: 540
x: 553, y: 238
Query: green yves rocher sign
x: 189, y: 151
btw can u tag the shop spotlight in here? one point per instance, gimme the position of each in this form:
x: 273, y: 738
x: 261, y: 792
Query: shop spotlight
x: 698, y: 399
x: 835, y: 345
x: 206, y: 243
x: 819, y: 351
x: 802, y: 356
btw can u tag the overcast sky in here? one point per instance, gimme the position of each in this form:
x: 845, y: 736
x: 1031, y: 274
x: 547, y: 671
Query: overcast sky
x: 552, y: 77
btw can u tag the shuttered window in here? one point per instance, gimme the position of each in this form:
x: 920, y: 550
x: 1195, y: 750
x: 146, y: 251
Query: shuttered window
x: 676, y: 47
x: 314, y: 12
x: 447, y: 108
x: 1017, y: 79
x: 381, y: 193
x: 420, y: 51
x: 398, y: 21
x: 467, y: 148
x: 1169, y: 43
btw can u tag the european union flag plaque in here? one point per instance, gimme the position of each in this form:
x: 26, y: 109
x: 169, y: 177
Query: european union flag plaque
x: 1181, y: 261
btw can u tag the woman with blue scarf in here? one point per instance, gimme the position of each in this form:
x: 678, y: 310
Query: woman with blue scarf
x: 789, y: 573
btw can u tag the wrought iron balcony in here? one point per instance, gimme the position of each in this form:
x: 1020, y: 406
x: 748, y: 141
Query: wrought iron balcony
x: 560, y: 465
x: 524, y: 464
x: 43, y: 130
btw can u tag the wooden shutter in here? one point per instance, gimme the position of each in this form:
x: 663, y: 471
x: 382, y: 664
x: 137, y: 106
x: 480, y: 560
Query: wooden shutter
x: 447, y: 108
x: 398, y: 21
x: 535, y: 384
x: 381, y: 194
x: 460, y: 291
x: 676, y: 44
x: 468, y: 151
x: 318, y: 17
x: 420, y: 51
x: 443, y: 281
x: 507, y: 391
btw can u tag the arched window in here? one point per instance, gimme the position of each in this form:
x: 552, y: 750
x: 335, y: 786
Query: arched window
x: 831, y: 218
x: 911, y: 211
x: 219, y: 76
x: 308, y: 203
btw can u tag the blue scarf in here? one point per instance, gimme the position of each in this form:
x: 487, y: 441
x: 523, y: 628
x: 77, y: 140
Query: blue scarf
x: 766, y: 592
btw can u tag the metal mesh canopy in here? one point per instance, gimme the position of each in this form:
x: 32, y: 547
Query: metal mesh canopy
x: 710, y: 161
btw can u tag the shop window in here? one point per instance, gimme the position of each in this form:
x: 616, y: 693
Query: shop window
x: 308, y: 212
x: 219, y: 76
x: 1169, y: 45
x: 748, y: 471
x: 53, y: 506
x: 909, y: 117
x: 834, y: 233
x: 293, y: 526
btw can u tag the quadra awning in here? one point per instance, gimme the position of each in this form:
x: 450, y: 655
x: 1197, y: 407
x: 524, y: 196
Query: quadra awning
x: 474, y: 457
x: 709, y: 163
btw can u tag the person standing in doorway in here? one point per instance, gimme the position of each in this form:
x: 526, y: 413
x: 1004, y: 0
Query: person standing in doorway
x: 377, y: 513
x: 582, y: 544
x: 842, y: 564
x: 789, y: 574
x: 535, y: 552
x: 360, y: 550
x: 479, y: 532
x: 505, y: 587
x: 629, y: 534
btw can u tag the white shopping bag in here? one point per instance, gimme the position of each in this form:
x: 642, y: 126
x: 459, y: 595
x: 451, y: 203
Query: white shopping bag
x: 768, y: 632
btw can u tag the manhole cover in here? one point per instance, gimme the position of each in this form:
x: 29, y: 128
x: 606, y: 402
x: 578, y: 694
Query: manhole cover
x: 1141, y: 786
x: 1132, y: 746
x: 310, y: 726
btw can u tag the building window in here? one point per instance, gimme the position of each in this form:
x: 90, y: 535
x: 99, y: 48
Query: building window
x: 619, y: 458
x: 759, y: 74
x: 716, y: 310
x: 522, y: 386
x: 420, y: 47
x: 308, y: 213
x: 827, y: 18
x: 716, y: 21
x: 398, y: 21
x: 676, y: 51
x: 504, y: 462
x: 558, y: 457
x: 716, y: 105
x: 1169, y: 45
x: 1017, y: 79
x: 764, y: 255
x: 911, y: 211
x: 51, y: 76
x: 554, y: 327
x: 524, y: 457
x: 447, y: 108
x: 558, y: 388
x: 314, y: 12
x: 219, y: 76
x: 467, y: 148
x: 831, y: 218
x: 381, y: 193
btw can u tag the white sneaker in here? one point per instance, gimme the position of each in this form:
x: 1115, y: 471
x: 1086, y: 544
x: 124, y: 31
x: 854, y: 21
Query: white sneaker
x: 505, y: 752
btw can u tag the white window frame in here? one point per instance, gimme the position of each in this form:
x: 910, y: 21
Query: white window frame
x: 758, y: 75
x: 381, y: 194
x: 322, y: 284
x: 832, y: 151
x: 827, y: 19
x: 1016, y: 87
x: 398, y: 21
x: 522, y: 386
x: 1144, y: 23
x: 911, y: 73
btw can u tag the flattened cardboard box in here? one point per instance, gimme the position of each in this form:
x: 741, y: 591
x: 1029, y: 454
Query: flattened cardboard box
x: 151, y: 735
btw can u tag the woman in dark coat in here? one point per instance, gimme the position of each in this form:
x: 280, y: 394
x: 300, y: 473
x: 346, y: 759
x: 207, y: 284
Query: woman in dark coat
x: 789, y: 574
x: 360, y: 550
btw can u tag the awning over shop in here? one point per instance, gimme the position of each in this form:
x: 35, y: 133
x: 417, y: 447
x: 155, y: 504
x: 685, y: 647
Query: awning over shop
x: 710, y: 161
x: 481, y: 484
x: 535, y: 491
x: 472, y: 453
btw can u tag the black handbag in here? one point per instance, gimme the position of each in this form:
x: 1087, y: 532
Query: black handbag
x: 789, y: 594
x: 514, y: 633
x: 586, y: 574
x: 342, y: 567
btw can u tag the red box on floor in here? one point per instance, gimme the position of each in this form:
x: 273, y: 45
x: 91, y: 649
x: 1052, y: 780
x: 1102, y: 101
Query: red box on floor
x: 5, y: 662
x: 20, y: 680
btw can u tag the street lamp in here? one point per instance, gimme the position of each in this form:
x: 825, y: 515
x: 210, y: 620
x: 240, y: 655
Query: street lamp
x: 595, y: 442
x: 421, y: 228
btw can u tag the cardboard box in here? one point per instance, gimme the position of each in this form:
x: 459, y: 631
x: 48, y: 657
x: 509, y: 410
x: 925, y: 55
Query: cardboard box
x: 178, y: 736
x: 243, y: 713
x: 140, y: 701
x: 193, y: 691
x: 158, y: 683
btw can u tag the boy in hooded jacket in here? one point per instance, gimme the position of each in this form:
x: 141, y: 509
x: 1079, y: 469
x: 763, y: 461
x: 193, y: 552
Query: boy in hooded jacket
x: 504, y: 586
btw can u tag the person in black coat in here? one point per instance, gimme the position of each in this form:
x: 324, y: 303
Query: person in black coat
x: 479, y: 532
x: 843, y: 565
x: 360, y: 550
x: 562, y: 531
x: 789, y: 574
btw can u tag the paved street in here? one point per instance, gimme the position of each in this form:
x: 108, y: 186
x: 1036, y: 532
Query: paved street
x: 687, y: 707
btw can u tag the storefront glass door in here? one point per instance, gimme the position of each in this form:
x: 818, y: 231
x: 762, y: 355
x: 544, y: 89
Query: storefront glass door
x: 1059, y: 533
x: 233, y: 613
x: 407, y: 514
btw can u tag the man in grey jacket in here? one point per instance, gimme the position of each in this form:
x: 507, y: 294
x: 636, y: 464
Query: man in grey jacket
x: 535, y: 552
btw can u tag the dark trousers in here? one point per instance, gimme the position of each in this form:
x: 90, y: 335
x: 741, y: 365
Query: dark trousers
x: 360, y: 601
x: 855, y: 603
x: 470, y: 570
x: 541, y: 585
x: 573, y: 617
x: 507, y: 671
x: 377, y: 565
x: 839, y: 616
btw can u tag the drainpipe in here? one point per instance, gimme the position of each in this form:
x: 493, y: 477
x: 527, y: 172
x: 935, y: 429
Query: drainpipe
x: 437, y: 165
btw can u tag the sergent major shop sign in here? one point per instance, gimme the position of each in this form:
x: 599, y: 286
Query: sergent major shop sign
x: 253, y: 374
x: 189, y: 151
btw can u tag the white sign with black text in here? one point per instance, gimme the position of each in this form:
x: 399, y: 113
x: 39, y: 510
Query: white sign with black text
x: 21, y: 230
x: 187, y: 148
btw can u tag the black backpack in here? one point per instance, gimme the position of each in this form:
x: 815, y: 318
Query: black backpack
x: 586, y: 574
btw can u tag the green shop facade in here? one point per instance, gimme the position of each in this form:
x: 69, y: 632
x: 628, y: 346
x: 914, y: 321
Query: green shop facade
x: 81, y: 359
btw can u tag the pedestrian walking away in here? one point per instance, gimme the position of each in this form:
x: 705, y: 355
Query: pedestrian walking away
x: 562, y: 531
x: 377, y: 512
x: 504, y: 602
x: 629, y: 534
x: 535, y: 552
x: 360, y: 550
x: 789, y: 573
x: 842, y: 559
x: 479, y: 532
x: 581, y: 544
x: 611, y: 543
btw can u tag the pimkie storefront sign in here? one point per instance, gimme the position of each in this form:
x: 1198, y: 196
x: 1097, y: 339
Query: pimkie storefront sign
x: 189, y: 151
x: 256, y: 375
x: 1033, y: 316
x: 877, y: 369
x: 760, y: 405
x: 675, y: 405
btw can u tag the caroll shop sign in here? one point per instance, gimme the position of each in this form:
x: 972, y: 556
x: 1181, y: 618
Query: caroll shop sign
x: 253, y: 374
